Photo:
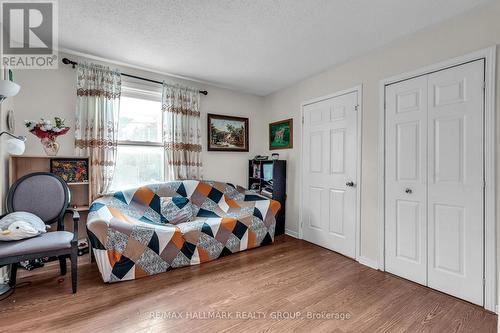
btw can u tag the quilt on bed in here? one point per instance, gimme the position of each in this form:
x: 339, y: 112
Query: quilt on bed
x: 130, y: 237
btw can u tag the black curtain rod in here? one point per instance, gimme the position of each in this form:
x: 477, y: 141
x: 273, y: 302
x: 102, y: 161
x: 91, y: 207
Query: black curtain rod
x: 66, y: 61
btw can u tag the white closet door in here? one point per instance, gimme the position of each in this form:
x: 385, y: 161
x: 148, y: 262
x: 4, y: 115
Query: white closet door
x: 455, y: 181
x: 329, y: 173
x: 406, y: 178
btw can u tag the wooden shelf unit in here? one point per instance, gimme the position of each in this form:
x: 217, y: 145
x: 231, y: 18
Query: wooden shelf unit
x: 81, y: 196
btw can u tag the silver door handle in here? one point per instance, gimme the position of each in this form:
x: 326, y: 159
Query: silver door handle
x: 409, y: 190
x: 350, y: 184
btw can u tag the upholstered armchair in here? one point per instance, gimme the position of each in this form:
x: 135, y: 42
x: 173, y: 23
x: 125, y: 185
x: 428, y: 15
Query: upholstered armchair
x: 46, y: 196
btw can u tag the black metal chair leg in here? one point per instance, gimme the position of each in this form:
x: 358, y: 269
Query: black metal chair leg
x: 91, y: 253
x: 74, y: 268
x: 62, y: 265
x: 13, y: 275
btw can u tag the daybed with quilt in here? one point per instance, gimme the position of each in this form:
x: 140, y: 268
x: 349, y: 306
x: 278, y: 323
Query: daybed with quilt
x: 131, y: 238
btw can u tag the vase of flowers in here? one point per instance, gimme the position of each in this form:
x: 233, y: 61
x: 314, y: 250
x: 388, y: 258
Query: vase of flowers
x: 48, y: 132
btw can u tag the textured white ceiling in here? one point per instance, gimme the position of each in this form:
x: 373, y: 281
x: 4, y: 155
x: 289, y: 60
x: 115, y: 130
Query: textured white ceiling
x: 256, y: 46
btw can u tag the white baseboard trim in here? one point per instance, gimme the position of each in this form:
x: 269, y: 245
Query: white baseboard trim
x: 292, y: 233
x: 368, y: 262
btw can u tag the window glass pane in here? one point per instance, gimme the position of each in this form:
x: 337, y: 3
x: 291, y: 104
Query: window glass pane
x: 137, y: 165
x: 140, y: 120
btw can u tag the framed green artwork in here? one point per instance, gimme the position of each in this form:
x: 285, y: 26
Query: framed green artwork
x: 281, y: 134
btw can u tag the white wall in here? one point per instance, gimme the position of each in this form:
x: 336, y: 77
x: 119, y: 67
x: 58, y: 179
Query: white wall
x: 52, y: 93
x: 49, y: 93
x: 6, y: 105
x: 475, y: 30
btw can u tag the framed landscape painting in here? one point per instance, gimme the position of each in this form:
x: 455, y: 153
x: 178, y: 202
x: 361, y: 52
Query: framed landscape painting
x: 281, y: 134
x: 227, y: 133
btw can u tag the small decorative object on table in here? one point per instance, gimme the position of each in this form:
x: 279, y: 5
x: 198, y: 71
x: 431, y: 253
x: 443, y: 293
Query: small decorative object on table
x: 48, y: 132
x: 275, y: 156
x: 71, y: 170
x: 83, y: 247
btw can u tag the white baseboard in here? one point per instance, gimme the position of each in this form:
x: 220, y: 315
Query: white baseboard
x: 292, y: 233
x: 368, y: 262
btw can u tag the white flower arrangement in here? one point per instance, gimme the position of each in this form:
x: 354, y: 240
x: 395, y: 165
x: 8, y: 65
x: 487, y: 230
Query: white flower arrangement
x: 45, y: 128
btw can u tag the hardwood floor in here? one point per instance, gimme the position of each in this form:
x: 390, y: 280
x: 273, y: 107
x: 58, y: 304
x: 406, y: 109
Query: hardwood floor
x: 276, y: 281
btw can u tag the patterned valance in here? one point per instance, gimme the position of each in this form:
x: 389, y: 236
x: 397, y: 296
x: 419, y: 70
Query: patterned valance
x: 98, y: 81
x: 181, y: 100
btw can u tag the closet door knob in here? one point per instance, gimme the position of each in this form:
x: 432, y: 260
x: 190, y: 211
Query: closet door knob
x: 409, y: 191
x: 350, y: 184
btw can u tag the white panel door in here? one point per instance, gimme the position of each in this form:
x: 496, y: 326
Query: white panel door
x: 434, y: 190
x: 455, y: 181
x: 330, y: 173
x: 406, y: 178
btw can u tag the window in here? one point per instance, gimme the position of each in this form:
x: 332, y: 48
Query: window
x: 140, y: 157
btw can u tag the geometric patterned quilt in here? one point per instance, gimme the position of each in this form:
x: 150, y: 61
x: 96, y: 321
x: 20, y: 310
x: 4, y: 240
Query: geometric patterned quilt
x: 130, y: 238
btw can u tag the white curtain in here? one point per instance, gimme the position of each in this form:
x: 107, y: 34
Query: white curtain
x: 96, y: 127
x: 181, y: 132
